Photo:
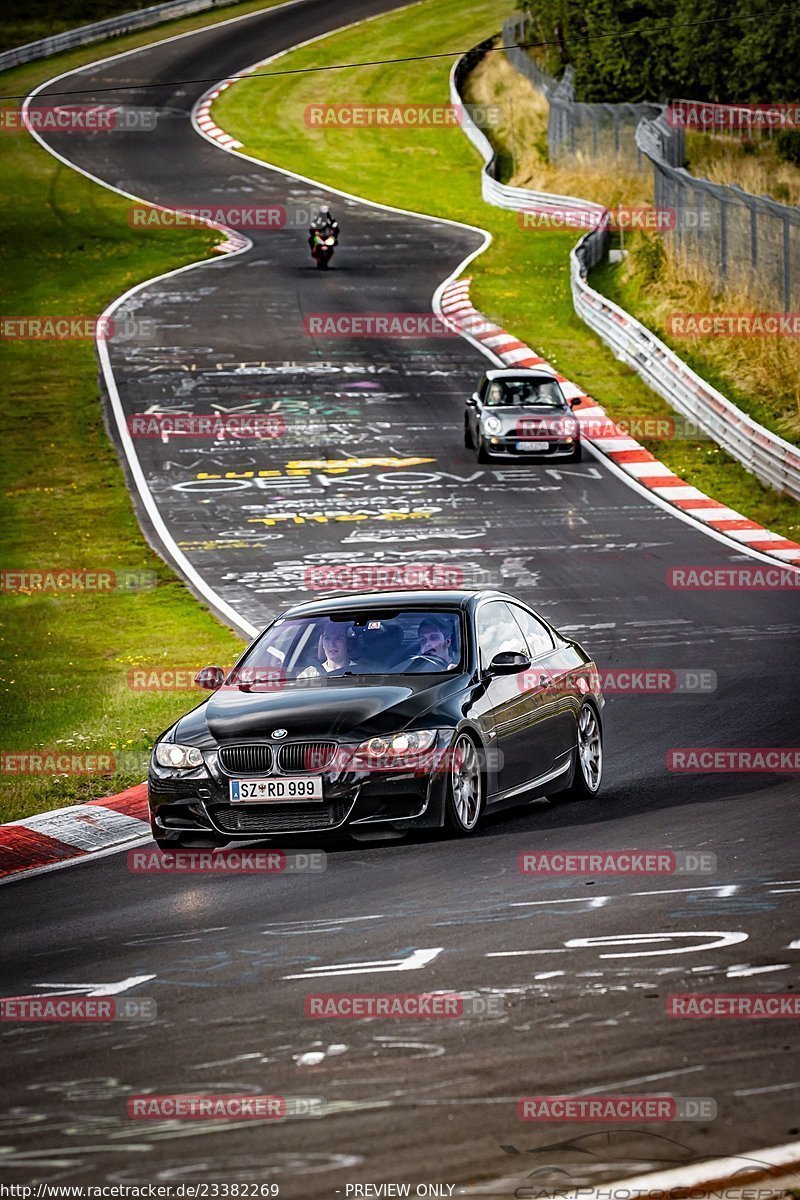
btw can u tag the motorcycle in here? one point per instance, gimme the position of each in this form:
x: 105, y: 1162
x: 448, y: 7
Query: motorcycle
x: 322, y: 249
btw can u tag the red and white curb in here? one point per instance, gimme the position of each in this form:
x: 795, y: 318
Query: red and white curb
x: 208, y: 125
x: 204, y: 121
x: 54, y: 839
x: 614, y: 442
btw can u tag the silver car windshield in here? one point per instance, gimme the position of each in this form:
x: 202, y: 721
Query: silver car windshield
x: 402, y: 642
x: 521, y: 393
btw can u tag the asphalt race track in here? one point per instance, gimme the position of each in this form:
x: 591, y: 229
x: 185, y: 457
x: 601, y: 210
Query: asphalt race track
x: 230, y: 960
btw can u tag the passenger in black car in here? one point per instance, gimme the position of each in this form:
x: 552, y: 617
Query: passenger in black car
x: 334, y: 645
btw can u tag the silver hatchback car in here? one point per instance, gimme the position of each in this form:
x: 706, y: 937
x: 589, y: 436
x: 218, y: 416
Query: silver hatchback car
x: 521, y: 413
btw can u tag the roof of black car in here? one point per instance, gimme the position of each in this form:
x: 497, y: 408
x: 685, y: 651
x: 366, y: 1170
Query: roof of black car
x: 425, y: 598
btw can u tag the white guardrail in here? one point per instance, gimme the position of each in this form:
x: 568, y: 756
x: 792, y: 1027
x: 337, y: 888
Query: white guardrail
x: 771, y: 459
x: 84, y: 35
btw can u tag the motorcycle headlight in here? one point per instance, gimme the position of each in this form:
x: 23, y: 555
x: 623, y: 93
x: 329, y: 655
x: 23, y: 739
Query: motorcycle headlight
x: 172, y: 754
x: 492, y: 424
x: 394, y: 749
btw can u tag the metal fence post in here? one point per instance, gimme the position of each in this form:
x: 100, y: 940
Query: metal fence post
x: 787, y: 265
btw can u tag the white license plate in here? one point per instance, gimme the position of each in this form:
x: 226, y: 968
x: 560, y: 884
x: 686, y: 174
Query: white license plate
x: 276, y: 790
x: 533, y: 445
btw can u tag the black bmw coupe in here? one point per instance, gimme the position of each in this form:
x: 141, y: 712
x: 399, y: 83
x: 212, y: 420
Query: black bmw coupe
x: 382, y: 711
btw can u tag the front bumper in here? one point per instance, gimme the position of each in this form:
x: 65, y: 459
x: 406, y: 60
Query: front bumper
x: 197, y: 802
x: 508, y: 445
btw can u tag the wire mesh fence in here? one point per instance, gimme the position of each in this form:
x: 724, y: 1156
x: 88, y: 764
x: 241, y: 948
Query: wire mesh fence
x: 742, y: 242
x: 588, y: 132
x: 748, y: 242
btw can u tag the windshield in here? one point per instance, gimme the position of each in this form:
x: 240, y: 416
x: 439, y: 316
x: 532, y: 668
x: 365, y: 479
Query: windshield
x: 361, y: 643
x: 520, y: 393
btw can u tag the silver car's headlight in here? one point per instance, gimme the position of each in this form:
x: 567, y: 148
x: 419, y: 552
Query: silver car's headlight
x: 172, y: 754
x: 492, y: 424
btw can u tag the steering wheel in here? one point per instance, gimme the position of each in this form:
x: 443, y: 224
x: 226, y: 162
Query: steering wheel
x: 438, y: 662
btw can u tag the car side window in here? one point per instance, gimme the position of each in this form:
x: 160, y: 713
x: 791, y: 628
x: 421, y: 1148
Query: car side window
x: 497, y: 630
x: 482, y: 389
x: 537, y: 635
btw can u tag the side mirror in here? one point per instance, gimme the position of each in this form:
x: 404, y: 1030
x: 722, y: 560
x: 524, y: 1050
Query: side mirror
x: 574, y: 402
x: 509, y: 662
x: 473, y: 400
x: 210, y: 678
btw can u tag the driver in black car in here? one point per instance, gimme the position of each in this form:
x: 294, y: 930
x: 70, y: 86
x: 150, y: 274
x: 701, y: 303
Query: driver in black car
x: 436, y: 640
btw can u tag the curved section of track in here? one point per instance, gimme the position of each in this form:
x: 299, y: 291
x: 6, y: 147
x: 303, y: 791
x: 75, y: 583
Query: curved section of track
x: 372, y: 468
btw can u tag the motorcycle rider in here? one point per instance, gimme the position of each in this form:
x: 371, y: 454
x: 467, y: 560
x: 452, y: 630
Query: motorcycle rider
x: 324, y: 224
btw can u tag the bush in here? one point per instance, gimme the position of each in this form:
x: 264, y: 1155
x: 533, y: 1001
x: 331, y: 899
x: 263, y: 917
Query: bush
x: 787, y: 146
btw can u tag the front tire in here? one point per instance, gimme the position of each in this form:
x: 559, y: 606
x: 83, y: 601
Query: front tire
x: 587, y: 775
x: 577, y: 454
x: 463, y: 803
x: 483, y: 454
x: 468, y: 442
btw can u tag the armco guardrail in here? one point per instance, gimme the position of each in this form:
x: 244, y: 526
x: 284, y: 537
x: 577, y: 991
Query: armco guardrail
x: 502, y: 195
x: 84, y: 35
x: 771, y: 459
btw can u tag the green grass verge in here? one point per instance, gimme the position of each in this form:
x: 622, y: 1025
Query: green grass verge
x: 522, y: 281
x: 66, y: 248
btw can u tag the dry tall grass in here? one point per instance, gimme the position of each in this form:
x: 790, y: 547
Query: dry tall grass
x: 765, y: 368
x: 521, y: 141
x: 753, y: 166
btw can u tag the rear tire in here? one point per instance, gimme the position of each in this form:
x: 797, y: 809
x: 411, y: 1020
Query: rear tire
x: 463, y: 803
x: 587, y: 774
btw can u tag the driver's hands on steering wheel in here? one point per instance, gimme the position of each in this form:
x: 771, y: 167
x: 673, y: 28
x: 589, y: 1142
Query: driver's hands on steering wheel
x: 440, y: 663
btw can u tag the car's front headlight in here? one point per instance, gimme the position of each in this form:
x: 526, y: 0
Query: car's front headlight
x: 172, y: 754
x: 394, y: 749
x: 492, y: 424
